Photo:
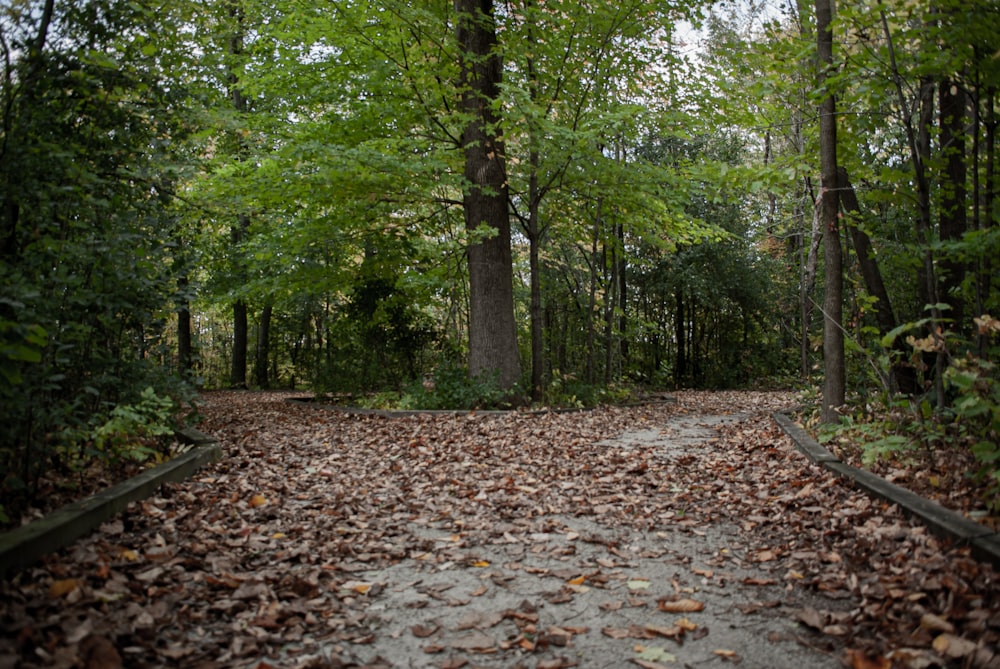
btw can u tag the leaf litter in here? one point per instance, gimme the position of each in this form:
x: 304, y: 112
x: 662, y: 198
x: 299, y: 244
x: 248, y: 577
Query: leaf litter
x: 328, y: 539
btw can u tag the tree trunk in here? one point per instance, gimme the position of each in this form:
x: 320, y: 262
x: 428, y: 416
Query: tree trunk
x: 238, y: 374
x: 263, y: 348
x: 834, y: 368
x: 870, y: 272
x: 492, y: 330
x: 902, y: 375
x: 623, y: 336
x: 806, y: 303
x: 592, y: 300
x: 680, y: 366
x: 990, y: 206
x: 238, y: 233
x: 185, y: 351
x: 953, y: 220
x: 535, y: 278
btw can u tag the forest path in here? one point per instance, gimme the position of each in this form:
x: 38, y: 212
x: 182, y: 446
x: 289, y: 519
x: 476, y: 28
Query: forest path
x: 688, y: 533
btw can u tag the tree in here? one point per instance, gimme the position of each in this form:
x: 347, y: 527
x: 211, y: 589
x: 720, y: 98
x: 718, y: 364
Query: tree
x: 492, y: 331
x: 834, y: 369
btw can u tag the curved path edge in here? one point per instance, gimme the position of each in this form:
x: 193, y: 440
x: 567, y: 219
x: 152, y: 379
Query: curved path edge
x: 21, y: 547
x: 983, y: 541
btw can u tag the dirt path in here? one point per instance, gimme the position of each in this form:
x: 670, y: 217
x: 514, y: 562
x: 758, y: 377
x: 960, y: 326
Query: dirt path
x: 684, y: 534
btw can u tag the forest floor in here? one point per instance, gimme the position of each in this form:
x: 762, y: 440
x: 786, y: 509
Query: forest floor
x: 687, y: 533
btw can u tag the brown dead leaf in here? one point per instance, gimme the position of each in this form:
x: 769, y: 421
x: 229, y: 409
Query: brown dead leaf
x: 675, y: 632
x: 858, y: 659
x: 680, y: 605
x: 615, y: 632
x: 686, y: 624
x: 97, y: 652
x: 811, y: 618
x: 424, y: 631
x: 730, y: 655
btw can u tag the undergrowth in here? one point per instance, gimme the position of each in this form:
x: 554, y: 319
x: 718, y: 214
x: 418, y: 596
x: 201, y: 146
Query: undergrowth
x: 958, y: 417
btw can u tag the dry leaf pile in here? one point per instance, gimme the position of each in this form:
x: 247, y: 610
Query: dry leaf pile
x: 283, y: 553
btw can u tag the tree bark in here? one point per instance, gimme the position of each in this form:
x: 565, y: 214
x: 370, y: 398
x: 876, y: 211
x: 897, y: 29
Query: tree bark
x: 870, y: 272
x: 953, y: 220
x: 834, y: 367
x: 185, y: 351
x: 238, y: 374
x: 492, y: 330
x: 535, y: 278
x: 238, y: 232
x: 263, y: 348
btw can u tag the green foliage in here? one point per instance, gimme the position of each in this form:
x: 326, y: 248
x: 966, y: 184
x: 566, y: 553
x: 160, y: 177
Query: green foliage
x: 568, y: 391
x: 133, y: 431
x: 451, y: 387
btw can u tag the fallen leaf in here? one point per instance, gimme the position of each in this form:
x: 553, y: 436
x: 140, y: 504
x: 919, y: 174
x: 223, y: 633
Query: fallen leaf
x: 934, y: 623
x: 686, y: 624
x: 63, y: 587
x: 730, y: 655
x: 654, y: 654
x: 258, y: 500
x: 424, y: 631
x: 680, y: 606
x: 858, y: 659
x: 674, y: 632
x: 953, y: 646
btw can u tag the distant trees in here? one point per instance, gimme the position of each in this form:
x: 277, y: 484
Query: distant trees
x: 362, y: 197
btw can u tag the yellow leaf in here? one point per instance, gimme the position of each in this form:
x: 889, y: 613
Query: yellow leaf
x: 128, y: 554
x: 278, y: 535
x: 481, y: 563
x: 63, y: 587
x: 258, y: 500
x: 686, y: 624
x: 577, y: 581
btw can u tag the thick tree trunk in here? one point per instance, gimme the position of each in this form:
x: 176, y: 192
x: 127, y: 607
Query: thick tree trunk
x: 834, y: 367
x: 492, y: 330
x: 238, y: 374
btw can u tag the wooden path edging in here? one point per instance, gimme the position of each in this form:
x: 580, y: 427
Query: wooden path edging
x: 21, y: 547
x: 983, y: 541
